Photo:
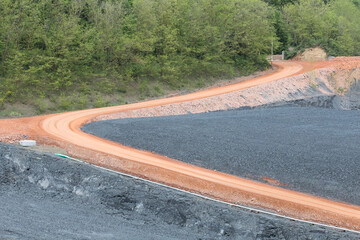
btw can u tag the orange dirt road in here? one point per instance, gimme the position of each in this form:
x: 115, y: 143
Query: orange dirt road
x: 64, y: 131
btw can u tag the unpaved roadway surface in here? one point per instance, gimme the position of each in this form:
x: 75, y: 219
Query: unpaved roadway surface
x: 47, y: 197
x: 312, y: 150
x: 63, y: 130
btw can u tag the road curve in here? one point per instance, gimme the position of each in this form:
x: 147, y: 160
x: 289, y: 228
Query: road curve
x: 65, y: 127
x: 64, y: 130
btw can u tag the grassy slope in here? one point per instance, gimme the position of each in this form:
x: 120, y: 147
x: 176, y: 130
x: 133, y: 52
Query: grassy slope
x: 98, y: 96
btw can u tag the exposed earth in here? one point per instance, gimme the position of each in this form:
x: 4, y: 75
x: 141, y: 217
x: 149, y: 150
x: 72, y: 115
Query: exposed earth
x: 311, y: 54
x: 47, y: 197
x: 335, y: 86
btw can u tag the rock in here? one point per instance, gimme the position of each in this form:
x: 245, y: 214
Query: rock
x: 27, y: 143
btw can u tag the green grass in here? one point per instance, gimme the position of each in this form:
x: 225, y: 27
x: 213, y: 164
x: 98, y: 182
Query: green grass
x: 102, y: 92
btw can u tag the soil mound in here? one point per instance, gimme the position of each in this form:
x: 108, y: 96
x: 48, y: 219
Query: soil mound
x: 311, y: 55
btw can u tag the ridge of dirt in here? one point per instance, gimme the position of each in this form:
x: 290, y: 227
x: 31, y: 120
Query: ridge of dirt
x: 311, y: 54
x: 316, y: 88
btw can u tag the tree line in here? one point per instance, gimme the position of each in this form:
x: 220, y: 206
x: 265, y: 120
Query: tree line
x: 51, y: 48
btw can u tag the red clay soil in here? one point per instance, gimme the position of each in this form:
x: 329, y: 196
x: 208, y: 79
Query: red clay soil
x: 342, y: 63
x: 63, y: 130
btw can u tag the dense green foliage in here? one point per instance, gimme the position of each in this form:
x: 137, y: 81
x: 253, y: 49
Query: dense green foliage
x: 280, y: 3
x: 331, y: 24
x: 56, y: 47
x: 67, y: 51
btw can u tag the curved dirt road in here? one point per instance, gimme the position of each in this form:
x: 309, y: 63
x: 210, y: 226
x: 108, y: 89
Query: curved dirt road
x: 64, y: 130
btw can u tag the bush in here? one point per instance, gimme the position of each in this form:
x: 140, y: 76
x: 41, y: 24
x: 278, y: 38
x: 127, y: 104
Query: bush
x: 61, y: 47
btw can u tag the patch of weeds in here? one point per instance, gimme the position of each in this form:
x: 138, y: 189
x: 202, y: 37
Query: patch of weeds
x: 105, y: 85
x: 341, y: 90
x: 84, y: 89
x: 2, y: 103
x: 81, y: 101
x: 3, y: 99
x: 199, y: 84
x: 14, y: 114
x: 144, y: 88
x: 312, y: 77
x: 121, y: 89
x: 314, y: 85
x: 53, y: 99
x: 121, y: 100
x: 158, y: 90
x: 65, y: 102
x: 40, y: 106
x: 100, y: 102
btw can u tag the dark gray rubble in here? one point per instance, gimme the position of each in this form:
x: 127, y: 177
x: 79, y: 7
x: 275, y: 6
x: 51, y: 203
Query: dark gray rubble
x: 351, y: 100
x: 312, y: 150
x: 46, y: 197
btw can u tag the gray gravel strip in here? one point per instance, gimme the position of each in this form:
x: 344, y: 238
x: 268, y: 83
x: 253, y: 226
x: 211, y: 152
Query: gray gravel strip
x: 312, y: 150
x: 47, y: 197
